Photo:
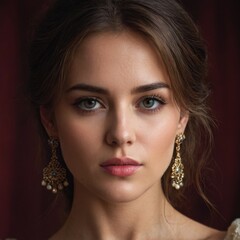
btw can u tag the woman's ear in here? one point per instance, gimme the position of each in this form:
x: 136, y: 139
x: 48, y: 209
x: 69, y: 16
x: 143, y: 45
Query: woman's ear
x: 48, y: 121
x: 184, y: 117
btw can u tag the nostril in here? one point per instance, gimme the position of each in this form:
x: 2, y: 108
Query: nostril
x: 119, y: 142
x: 111, y: 140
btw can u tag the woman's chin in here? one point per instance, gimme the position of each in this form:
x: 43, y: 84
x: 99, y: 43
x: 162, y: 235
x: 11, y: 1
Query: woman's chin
x: 117, y: 192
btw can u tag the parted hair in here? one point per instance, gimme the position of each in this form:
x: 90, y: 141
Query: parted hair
x: 166, y: 25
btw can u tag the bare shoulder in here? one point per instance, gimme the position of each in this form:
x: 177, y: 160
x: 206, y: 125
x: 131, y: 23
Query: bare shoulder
x: 208, y: 233
x: 191, y: 229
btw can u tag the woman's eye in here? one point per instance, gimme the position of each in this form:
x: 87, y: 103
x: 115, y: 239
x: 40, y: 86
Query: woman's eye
x: 88, y: 104
x: 151, y: 103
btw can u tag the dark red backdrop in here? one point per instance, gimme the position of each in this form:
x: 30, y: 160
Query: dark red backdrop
x: 26, y: 211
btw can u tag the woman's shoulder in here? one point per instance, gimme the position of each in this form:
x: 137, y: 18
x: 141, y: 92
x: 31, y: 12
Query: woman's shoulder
x: 204, y: 232
x: 191, y: 229
x: 233, y: 232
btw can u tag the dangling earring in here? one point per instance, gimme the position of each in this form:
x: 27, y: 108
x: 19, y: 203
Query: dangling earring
x: 177, y: 168
x: 54, y: 175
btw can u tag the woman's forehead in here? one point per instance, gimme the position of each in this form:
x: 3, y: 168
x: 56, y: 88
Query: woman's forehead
x: 123, y: 52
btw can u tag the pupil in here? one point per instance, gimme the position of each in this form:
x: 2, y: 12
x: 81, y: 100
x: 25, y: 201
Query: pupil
x: 148, y: 102
x: 90, y: 103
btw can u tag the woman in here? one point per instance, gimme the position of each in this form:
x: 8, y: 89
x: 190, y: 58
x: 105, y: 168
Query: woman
x: 119, y: 88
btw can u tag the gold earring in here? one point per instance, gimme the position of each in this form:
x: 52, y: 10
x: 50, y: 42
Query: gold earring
x: 177, y: 168
x: 54, y: 175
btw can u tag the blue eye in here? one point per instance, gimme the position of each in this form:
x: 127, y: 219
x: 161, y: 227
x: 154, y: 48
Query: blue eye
x: 88, y: 104
x: 151, y: 103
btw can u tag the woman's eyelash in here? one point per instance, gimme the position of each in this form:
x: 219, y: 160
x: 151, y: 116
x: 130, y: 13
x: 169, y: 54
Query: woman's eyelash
x: 154, y: 97
x: 151, y: 103
x: 88, y: 104
x: 159, y: 98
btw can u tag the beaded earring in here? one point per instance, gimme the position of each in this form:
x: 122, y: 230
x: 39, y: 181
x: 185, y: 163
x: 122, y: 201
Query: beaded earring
x: 177, y: 174
x: 54, y: 175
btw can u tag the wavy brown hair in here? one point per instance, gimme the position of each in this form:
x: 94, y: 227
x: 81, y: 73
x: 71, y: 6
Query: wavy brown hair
x: 163, y: 23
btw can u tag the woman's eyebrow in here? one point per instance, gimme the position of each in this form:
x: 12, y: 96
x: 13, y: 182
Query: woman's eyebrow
x: 88, y: 88
x: 100, y: 90
x: 149, y: 87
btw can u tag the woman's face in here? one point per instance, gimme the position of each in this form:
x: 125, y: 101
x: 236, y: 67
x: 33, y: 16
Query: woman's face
x: 116, y: 120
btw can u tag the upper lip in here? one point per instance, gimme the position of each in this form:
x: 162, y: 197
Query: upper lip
x: 120, y: 162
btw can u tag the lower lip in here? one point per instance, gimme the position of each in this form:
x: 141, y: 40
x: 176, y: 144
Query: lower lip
x: 121, y: 170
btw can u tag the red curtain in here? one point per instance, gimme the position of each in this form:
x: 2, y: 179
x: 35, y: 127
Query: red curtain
x: 26, y: 211
x: 219, y: 23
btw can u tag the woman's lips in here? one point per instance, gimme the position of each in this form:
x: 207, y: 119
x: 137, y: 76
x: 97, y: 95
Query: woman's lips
x: 121, y: 167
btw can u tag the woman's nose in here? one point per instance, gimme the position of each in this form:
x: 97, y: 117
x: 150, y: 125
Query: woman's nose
x: 120, y: 130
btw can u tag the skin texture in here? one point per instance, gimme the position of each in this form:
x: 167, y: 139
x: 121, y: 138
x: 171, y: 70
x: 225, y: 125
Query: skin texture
x: 122, y: 119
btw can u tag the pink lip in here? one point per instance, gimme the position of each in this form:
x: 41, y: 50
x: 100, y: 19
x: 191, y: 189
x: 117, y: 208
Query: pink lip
x: 121, y: 167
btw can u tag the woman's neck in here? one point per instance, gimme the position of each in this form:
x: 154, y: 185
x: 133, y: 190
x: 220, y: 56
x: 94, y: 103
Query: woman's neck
x: 91, y: 217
